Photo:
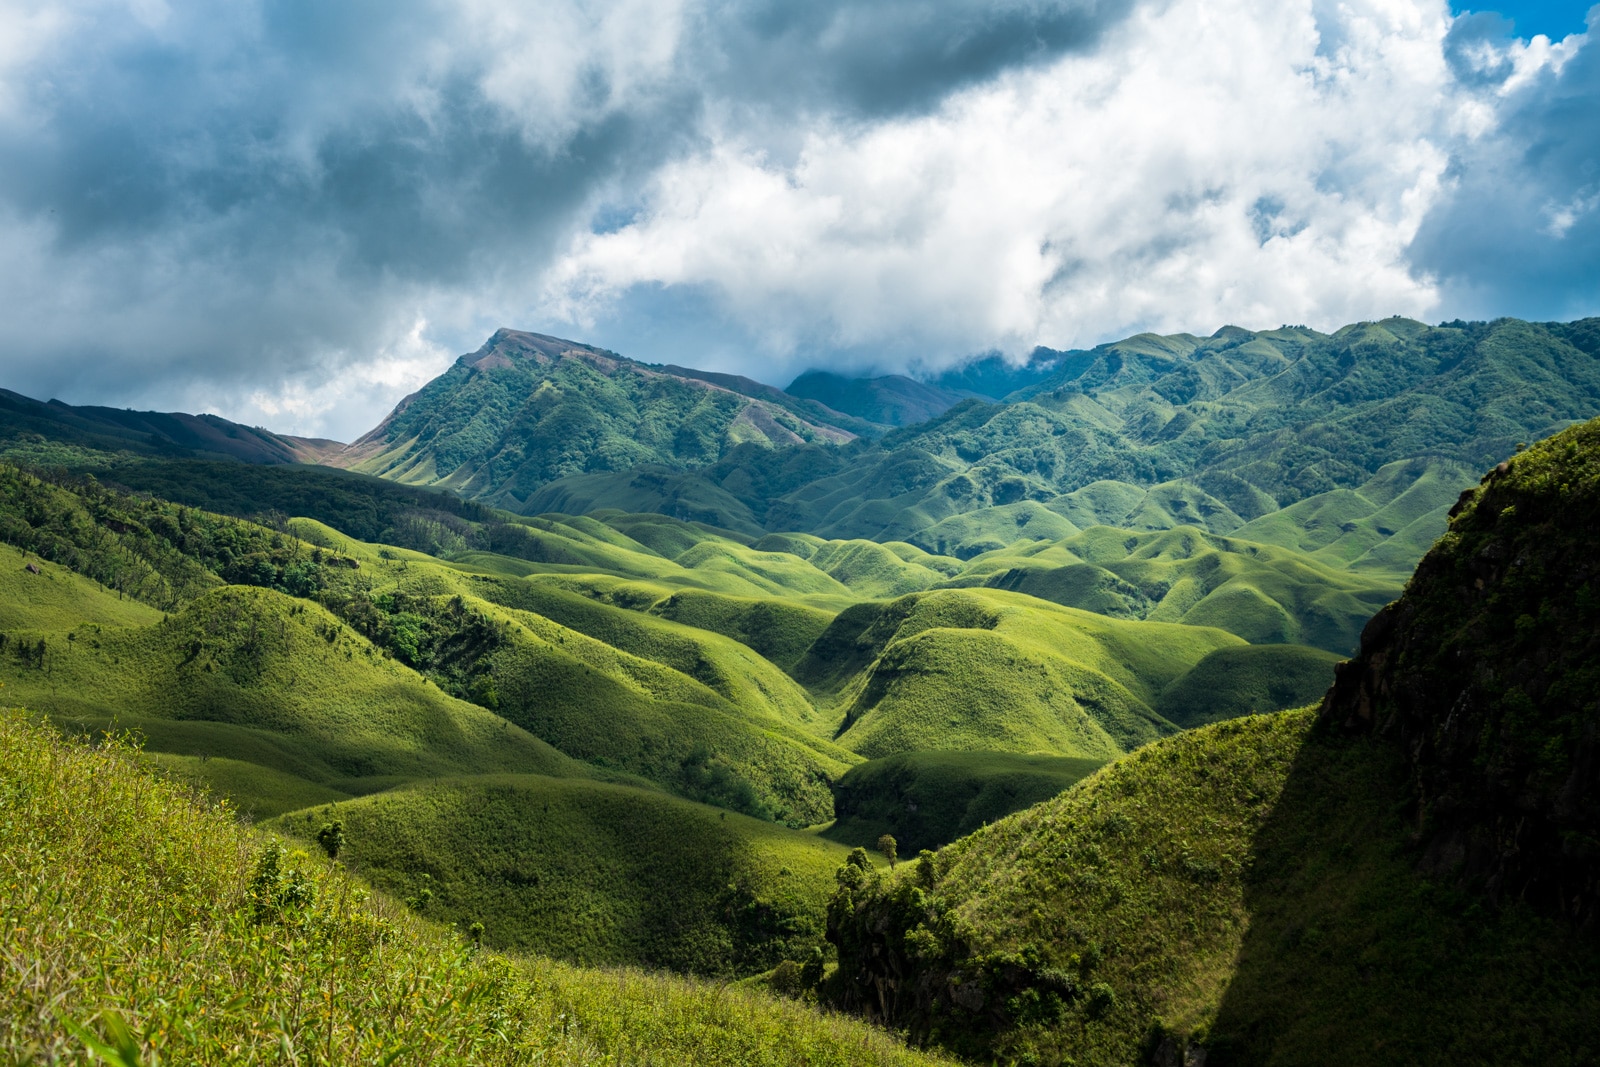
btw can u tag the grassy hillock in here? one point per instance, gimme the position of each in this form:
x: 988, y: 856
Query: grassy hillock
x: 592, y: 872
x: 984, y: 669
x: 160, y: 929
x: 1383, y: 525
x: 51, y: 597
x: 928, y: 799
x: 727, y: 727
x: 1245, y: 889
x: 779, y: 631
x: 1242, y: 681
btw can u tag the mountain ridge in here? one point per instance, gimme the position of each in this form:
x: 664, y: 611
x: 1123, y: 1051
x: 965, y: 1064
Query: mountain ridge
x: 1221, y: 432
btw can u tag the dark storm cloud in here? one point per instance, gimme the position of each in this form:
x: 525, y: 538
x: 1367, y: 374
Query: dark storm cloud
x: 1520, y: 232
x: 876, y: 59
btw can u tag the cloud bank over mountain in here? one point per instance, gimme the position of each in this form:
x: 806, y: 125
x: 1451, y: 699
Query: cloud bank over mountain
x: 294, y: 212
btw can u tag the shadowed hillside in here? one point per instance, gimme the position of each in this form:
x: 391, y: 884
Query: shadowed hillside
x: 1406, y: 877
x: 928, y: 799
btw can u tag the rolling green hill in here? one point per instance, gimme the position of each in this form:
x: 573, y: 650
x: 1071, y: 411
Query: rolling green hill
x: 36, y: 594
x: 592, y: 872
x: 928, y: 799
x: 1244, y: 680
x: 990, y: 670
x: 728, y: 727
x: 255, y: 677
x: 1263, y: 593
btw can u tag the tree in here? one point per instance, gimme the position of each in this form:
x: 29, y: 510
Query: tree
x: 887, y: 845
x: 331, y: 838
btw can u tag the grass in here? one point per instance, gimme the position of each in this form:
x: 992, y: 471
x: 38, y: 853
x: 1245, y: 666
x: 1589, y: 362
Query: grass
x: 778, y: 630
x: 255, y: 791
x: 592, y: 872
x: 1242, y: 681
x: 256, y: 676
x: 1263, y: 593
x: 159, y: 926
x: 1383, y: 525
x: 928, y: 799
x: 726, y: 666
x: 986, y: 669
x: 1245, y: 888
x: 57, y: 599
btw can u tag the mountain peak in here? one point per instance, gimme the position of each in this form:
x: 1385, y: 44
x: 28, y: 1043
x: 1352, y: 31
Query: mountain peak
x: 505, y: 347
x: 528, y: 408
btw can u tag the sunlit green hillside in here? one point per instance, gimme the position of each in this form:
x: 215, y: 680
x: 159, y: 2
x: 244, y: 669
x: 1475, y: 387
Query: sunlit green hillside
x: 1367, y: 433
x: 592, y: 872
x: 159, y: 930
x: 1263, y: 593
x: 250, y: 676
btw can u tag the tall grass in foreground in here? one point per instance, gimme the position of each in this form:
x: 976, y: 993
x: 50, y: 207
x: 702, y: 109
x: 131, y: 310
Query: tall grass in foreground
x: 138, y: 917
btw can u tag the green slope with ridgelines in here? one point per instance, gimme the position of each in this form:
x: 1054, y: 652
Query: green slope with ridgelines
x: 156, y: 926
x: 592, y: 872
x: 1263, y: 593
x: 1245, y: 680
x: 36, y: 594
x: 254, y: 676
x: 928, y: 799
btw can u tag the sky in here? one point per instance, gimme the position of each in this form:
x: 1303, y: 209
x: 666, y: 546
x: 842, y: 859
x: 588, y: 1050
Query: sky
x: 292, y: 213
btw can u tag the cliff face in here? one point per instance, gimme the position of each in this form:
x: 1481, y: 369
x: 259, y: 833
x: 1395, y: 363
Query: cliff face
x: 1487, y: 673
